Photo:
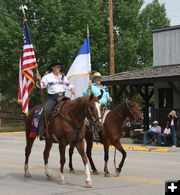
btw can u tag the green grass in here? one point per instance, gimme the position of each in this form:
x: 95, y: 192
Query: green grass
x: 12, y: 127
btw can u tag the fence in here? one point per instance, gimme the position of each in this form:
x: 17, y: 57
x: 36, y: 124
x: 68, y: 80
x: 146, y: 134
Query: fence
x: 11, y: 118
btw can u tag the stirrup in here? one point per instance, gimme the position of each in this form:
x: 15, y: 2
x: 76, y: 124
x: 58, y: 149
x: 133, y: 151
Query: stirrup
x: 42, y: 137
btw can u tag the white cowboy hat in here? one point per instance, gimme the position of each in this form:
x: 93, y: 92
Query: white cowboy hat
x: 97, y: 74
x: 155, y: 122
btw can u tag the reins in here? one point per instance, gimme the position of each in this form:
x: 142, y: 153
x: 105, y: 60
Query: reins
x: 71, y: 123
x: 130, y: 110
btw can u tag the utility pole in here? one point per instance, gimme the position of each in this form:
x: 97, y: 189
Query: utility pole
x: 111, y: 38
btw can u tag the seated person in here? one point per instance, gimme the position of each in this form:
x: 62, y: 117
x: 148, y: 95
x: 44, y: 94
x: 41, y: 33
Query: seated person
x: 162, y: 139
x: 153, y: 131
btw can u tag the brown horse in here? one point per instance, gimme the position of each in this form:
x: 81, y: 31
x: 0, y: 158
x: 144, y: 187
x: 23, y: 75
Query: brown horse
x: 111, y: 134
x: 65, y: 128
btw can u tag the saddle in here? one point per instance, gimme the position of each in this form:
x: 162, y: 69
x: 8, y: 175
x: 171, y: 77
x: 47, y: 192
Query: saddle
x: 39, y: 111
x: 57, y: 109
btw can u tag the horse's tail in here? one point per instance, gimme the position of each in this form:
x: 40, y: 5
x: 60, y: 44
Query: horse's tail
x: 115, y: 159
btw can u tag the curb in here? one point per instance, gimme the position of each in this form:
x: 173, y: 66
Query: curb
x: 12, y: 132
x: 138, y: 148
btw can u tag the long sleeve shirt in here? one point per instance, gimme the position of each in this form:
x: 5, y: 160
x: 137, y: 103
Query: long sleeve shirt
x: 156, y: 129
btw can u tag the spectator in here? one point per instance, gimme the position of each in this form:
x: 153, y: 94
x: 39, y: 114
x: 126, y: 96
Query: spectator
x: 172, y: 124
x: 155, y: 130
x: 162, y: 139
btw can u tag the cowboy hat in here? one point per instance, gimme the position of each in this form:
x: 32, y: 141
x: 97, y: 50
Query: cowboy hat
x: 54, y: 64
x: 97, y: 74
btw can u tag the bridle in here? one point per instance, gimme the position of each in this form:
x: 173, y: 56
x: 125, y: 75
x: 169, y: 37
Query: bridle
x: 128, y: 107
x: 132, y: 113
x: 94, y: 120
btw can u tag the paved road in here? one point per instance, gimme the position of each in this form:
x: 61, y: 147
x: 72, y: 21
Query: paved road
x: 143, y: 173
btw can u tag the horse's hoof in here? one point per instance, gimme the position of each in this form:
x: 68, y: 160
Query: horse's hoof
x: 88, y: 184
x: 27, y: 175
x: 95, y: 172
x: 71, y: 170
x: 117, y: 172
x: 63, y: 182
x: 49, y: 177
x: 107, y: 174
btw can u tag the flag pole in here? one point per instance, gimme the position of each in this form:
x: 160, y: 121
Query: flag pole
x: 90, y: 73
x: 23, y: 8
x: 87, y: 30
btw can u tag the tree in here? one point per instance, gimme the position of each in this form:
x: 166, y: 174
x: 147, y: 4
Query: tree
x: 58, y: 28
x: 10, y: 33
x: 152, y: 17
x: 133, y: 32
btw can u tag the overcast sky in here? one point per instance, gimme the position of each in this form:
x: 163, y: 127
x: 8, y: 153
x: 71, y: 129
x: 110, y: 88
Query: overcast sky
x: 172, y: 8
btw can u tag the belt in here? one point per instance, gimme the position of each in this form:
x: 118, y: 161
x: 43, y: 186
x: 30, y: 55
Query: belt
x: 57, y: 94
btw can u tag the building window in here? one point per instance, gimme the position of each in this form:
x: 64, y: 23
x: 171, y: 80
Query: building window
x: 165, y: 98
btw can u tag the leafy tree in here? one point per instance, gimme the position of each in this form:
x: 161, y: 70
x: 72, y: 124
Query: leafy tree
x: 133, y: 32
x: 10, y: 33
x: 152, y: 17
x: 58, y: 28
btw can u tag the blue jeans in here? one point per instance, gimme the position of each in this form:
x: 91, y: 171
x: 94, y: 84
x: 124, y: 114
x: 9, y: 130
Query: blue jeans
x: 173, y: 133
x: 163, y: 139
x: 148, y: 135
x: 49, y: 105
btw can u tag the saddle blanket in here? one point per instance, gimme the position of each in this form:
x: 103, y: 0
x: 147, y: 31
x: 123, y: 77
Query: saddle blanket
x: 35, y: 122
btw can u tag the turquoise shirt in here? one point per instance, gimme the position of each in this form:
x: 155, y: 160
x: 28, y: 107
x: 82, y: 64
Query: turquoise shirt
x: 97, y: 92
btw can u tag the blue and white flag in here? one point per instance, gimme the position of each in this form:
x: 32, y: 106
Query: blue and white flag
x: 78, y: 74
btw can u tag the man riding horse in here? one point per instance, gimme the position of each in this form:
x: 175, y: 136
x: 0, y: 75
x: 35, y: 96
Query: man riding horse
x: 56, y: 84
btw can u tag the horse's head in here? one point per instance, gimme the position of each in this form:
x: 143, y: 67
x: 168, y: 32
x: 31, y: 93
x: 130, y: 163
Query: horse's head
x: 133, y: 109
x: 94, y: 111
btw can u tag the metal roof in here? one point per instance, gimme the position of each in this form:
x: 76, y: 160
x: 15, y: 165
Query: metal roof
x: 145, y: 76
x: 166, y: 29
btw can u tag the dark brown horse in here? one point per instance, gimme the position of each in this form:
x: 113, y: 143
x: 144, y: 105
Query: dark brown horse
x: 65, y: 128
x: 111, y: 134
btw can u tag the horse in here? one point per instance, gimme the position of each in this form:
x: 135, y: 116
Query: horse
x: 66, y: 127
x: 110, y: 134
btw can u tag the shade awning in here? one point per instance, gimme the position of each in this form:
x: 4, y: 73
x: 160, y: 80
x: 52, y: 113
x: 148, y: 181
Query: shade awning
x: 145, y: 76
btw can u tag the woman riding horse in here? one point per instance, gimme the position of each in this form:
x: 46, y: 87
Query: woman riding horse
x: 100, y: 91
x: 111, y: 133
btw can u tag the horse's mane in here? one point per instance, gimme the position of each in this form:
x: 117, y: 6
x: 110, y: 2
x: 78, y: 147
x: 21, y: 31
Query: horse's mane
x: 70, y: 104
x: 119, y: 106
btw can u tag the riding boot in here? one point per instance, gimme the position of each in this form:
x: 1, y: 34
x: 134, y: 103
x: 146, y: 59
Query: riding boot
x: 41, y: 129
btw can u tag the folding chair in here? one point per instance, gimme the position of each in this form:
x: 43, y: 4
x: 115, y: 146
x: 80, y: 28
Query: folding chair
x: 153, y: 140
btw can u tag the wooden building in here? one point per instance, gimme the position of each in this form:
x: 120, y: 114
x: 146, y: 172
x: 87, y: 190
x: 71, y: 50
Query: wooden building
x: 160, y: 82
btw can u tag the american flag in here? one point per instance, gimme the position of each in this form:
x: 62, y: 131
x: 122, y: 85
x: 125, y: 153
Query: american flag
x: 27, y: 62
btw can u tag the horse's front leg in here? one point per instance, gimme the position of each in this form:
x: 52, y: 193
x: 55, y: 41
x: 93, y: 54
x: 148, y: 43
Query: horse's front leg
x: 29, y: 144
x: 119, y: 147
x: 62, y: 149
x: 106, y: 158
x: 89, y: 141
x: 81, y: 149
x: 71, y: 151
x: 47, y: 149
